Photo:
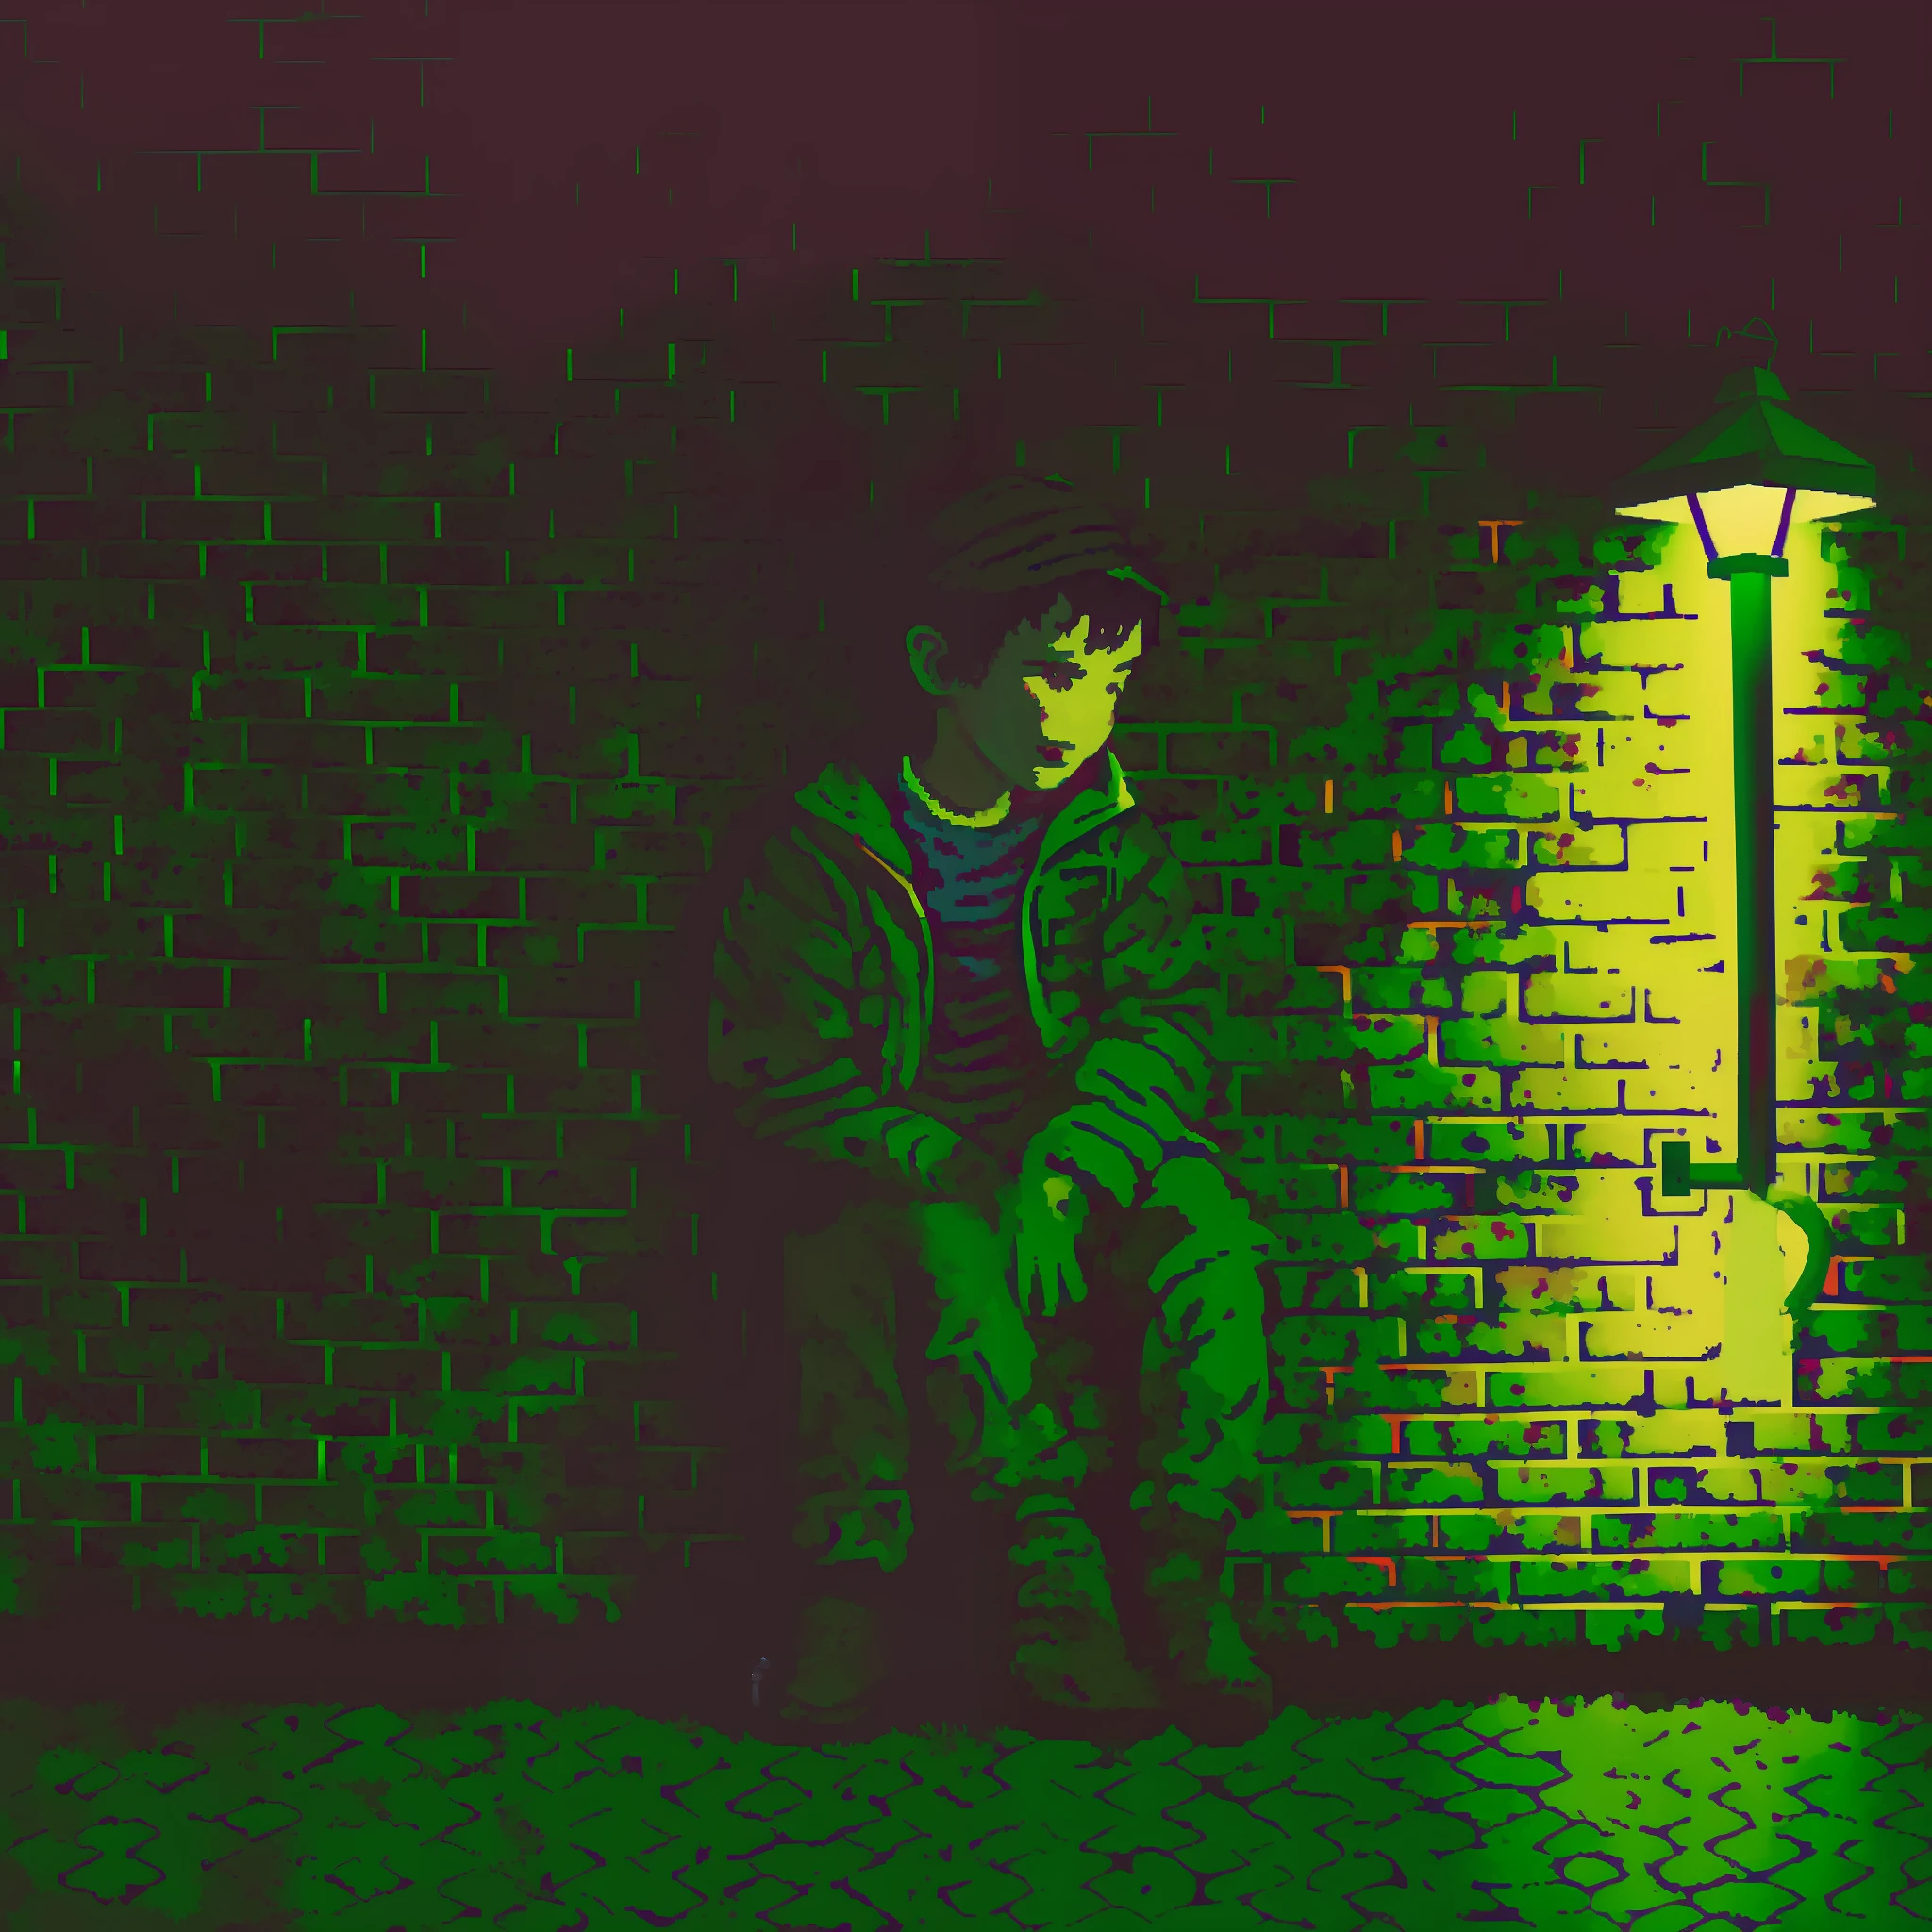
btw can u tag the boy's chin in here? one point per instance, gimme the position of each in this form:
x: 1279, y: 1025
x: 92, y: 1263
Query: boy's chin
x: 1045, y: 777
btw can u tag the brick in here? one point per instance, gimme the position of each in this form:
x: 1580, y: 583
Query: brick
x: 1616, y: 897
x: 1507, y: 796
x: 1624, y: 1578
x: 189, y: 1501
x: 287, y: 1552
x: 1379, y: 1576
x: 1472, y: 1338
x: 1461, y: 1142
x: 1340, y: 1434
x: 1416, y: 1485
x: 1605, y: 1387
x: 398, y: 1370
x: 1532, y: 1485
x: 515, y: 1371
x: 1480, y: 1238
x: 581, y: 1323
x: 1480, y: 1532
x: 133, y: 1547
x: 1373, y: 1195
x: 1883, y: 1383
x: 1758, y: 1482
x: 1878, y: 1530
x: 1690, y: 1529
x: 194, y: 1407
x: 1438, y: 1290
x: 1649, y: 1337
x: 311, y: 1506
x: 1320, y: 1576
x: 1486, y: 1436
x: 1501, y: 1042
x: 1273, y: 1532
x: 1905, y: 1433
x: 1783, y: 1576
x: 370, y: 1457
x: 1230, y: 752
x: 323, y: 1411
x: 1568, y: 1090
x: 79, y: 1404
x: 1332, y: 1339
x: 275, y: 1362
x: 1846, y: 1332
x: 147, y: 1452
x: 429, y: 1505
x: 1696, y: 1435
x: 1433, y: 1090
x: 1324, y: 1486
x: 76, y: 1498
x: 1660, y: 794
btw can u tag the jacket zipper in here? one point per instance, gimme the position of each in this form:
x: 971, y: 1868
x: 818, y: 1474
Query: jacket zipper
x: 1029, y: 953
x: 910, y: 1060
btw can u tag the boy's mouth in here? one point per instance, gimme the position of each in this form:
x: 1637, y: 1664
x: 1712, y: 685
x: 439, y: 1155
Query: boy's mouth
x: 1052, y: 755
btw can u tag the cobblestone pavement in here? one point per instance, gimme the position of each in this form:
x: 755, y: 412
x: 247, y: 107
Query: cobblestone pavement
x: 1592, y: 1816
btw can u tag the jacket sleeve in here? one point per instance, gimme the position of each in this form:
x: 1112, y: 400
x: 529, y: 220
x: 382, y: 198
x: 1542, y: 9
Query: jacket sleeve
x: 785, y: 1040
x: 1144, y: 1075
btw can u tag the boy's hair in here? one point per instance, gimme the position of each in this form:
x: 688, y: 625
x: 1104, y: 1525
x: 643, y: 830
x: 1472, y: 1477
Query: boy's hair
x: 976, y: 624
x: 989, y: 562
x: 1004, y: 553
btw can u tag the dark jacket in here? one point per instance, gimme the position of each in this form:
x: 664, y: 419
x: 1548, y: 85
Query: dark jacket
x: 824, y: 984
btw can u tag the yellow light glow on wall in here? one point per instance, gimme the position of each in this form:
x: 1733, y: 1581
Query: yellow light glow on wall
x: 1648, y: 958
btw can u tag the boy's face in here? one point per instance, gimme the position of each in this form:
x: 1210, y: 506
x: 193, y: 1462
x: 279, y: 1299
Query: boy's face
x: 1046, y: 704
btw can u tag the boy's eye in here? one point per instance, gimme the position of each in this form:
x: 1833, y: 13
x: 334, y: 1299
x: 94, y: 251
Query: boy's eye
x: 1060, y: 677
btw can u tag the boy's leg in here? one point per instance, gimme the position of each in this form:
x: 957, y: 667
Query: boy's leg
x: 1017, y: 1422
x: 938, y: 1272
x: 885, y: 1284
x: 848, y: 1507
x: 1205, y: 1344
x: 1203, y: 1386
x: 1024, y: 1421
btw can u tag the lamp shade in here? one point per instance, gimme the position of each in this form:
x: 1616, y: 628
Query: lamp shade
x: 1749, y: 473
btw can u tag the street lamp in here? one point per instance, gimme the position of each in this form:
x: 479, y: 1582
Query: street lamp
x: 1743, y: 478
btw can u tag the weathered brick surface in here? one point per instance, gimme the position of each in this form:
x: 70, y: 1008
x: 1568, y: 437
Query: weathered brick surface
x: 370, y: 715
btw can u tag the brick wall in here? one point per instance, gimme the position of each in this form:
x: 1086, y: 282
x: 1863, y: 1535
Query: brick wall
x: 1548, y: 1401
x: 375, y: 701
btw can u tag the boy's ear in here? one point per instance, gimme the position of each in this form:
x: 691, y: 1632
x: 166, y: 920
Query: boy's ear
x: 926, y: 650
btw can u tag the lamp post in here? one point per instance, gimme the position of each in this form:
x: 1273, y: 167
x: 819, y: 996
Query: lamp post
x: 1743, y: 478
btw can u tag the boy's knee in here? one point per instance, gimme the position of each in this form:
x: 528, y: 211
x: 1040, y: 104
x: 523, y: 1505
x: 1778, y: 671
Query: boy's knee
x: 1196, y: 1185
x: 969, y: 1222
x: 956, y: 1239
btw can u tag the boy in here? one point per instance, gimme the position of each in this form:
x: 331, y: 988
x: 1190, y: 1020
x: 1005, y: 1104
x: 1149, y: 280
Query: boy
x: 963, y: 987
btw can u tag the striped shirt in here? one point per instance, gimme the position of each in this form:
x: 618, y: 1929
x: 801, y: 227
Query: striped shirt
x: 986, y: 1051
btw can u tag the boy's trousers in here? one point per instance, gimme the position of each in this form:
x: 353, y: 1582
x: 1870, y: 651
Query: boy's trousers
x: 889, y: 1293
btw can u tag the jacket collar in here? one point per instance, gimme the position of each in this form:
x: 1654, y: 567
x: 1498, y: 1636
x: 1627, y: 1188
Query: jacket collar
x: 848, y: 798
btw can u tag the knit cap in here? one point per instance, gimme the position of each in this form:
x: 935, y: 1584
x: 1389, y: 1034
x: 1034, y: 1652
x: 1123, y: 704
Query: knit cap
x: 1029, y: 527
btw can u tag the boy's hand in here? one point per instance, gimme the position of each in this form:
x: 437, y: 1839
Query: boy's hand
x: 969, y: 1174
x: 1050, y: 1211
